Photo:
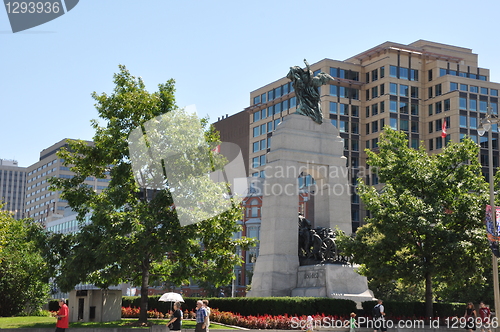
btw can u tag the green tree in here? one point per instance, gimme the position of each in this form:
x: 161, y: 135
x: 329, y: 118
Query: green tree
x: 426, y: 222
x: 134, y: 234
x: 23, y: 286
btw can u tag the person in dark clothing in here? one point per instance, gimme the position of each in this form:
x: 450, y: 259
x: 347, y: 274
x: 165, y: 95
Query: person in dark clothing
x: 175, y: 323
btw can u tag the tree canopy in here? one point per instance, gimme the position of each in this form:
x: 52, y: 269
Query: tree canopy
x: 23, y: 282
x: 134, y: 234
x: 425, y: 227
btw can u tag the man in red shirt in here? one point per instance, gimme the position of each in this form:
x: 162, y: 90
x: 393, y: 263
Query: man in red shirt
x: 62, y: 316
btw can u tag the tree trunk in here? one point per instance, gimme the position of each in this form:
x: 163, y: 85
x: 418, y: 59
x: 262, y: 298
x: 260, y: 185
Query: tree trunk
x: 429, y: 312
x: 143, y: 315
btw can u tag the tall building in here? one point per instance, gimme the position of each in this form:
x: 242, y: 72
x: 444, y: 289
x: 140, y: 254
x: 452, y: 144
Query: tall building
x: 12, y: 185
x: 42, y: 204
x: 417, y: 88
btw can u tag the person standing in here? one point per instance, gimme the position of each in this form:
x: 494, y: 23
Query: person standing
x: 378, y: 317
x: 351, y: 323
x: 175, y: 323
x: 470, y: 317
x: 485, y: 313
x: 62, y: 316
x: 201, y: 317
x: 207, y: 308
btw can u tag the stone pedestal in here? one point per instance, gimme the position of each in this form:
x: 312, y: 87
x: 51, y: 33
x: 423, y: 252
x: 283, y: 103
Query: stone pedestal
x: 334, y: 281
x: 298, y: 146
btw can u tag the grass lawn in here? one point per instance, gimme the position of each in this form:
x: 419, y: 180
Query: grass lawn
x: 50, y: 322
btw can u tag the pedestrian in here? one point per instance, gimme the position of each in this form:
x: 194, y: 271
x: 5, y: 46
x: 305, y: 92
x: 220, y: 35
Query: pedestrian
x: 470, y: 317
x: 351, y: 323
x: 485, y: 314
x: 62, y: 316
x: 207, y: 308
x: 378, y: 317
x: 309, y: 324
x: 175, y: 323
x: 201, y: 317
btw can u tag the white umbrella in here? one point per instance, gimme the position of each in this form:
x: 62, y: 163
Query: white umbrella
x: 171, y: 297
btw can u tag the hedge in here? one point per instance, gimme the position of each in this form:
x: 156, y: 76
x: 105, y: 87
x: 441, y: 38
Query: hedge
x: 247, y: 306
x: 415, y: 309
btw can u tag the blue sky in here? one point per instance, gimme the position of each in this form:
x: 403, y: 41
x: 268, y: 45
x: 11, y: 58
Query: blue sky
x: 217, y: 51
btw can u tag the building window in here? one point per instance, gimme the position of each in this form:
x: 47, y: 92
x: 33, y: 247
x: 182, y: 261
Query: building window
x: 393, y: 71
x: 463, y: 121
x: 393, y: 106
x: 355, y: 127
x: 403, y: 90
x: 414, y: 109
x: 382, y: 106
x: 414, y: 127
x: 403, y: 125
x: 494, y: 92
x: 464, y: 87
x: 484, y: 91
x: 403, y: 108
x: 414, y: 92
x: 429, y: 90
x: 375, y: 92
x: 355, y: 145
x: 473, y: 104
x: 382, y: 72
x: 439, y: 107
x: 462, y: 103
x: 393, y: 89
x: 413, y: 75
x: 483, y: 106
x: 431, y: 127
x: 256, y: 116
x: 344, y: 109
x: 374, y: 126
x: 374, y: 109
x: 474, y: 89
x: 431, y: 144
x: 453, y: 86
x: 334, y: 122
x: 403, y: 73
x: 343, y: 126
x: 374, y: 75
x: 429, y: 75
x: 439, y: 142
x: 333, y: 90
x: 394, y: 124
x: 333, y: 108
x: 438, y: 89
x: 255, y: 147
x: 473, y: 123
x: 447, y: 105
x: 355, y: 110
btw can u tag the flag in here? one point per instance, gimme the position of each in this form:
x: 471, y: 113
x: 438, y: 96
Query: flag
x: 493, y: 237
x: 216, y: 149
x: 443, y: 129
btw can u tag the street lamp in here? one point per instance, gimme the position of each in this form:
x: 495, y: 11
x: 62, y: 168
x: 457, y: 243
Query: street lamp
x: 485, y: 126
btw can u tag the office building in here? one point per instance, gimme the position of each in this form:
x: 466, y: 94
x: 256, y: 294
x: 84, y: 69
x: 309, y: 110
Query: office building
x: 417, y: 88
x: 41, y: 203
x: 12, y: 186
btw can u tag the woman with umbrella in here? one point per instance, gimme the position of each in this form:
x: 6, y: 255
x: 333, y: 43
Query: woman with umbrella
x: 175, y: 323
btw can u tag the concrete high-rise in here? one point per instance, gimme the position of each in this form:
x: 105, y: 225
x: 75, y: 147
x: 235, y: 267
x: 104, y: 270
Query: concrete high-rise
x: 12, y: 186
x: 43, y: 204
